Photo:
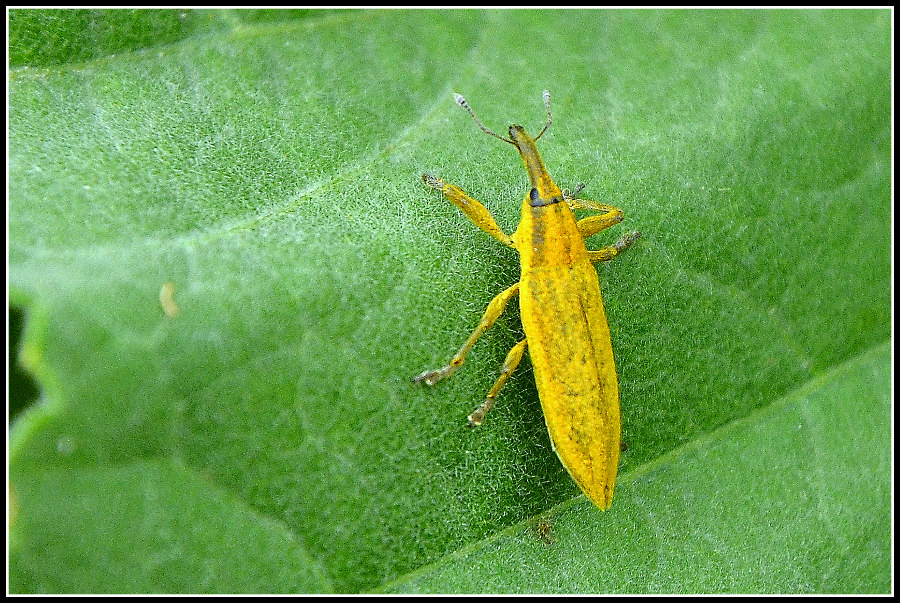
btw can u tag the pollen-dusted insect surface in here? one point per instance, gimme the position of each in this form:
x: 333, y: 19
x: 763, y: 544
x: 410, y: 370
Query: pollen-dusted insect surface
x: 566, y: 333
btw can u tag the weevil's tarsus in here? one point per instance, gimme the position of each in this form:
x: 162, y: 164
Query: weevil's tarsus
x: 477, y: 416
x: 433, y: 376
x: 605, y: 254
x: 569, y: 196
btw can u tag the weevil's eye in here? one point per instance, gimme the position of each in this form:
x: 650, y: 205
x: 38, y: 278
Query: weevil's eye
x: 535, y: 195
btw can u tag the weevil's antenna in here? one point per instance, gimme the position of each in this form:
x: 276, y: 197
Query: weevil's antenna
x: 549, y: 117
x: 462, y: 103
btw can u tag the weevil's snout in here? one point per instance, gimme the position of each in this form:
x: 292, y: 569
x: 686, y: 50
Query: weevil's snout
x: 522, y: 139
x: 517, y: 133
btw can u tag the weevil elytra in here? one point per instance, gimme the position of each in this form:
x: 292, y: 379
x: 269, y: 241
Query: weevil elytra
x: 562, y: 314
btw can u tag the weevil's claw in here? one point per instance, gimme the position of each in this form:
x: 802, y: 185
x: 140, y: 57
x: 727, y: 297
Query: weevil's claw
x: 627, y: 240
x: 571, y: 195
x: 433, y: 376
x: 477, y: 416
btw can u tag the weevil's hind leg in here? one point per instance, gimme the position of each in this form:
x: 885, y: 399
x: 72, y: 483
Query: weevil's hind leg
x: 490, y: 316
x: 476, y: 212
x: 605, y: 254
x: 509, y: 365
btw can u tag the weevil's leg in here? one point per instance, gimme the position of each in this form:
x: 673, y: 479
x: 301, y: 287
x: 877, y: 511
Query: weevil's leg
x: 592, y: 205
x: 594, y: 224
x: 493, y: 312
x: 476, y: 212
x: 607, y: 253
x: 570, y: 196
x: 509, y: 365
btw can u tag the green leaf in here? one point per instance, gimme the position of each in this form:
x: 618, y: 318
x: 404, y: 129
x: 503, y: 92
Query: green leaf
x: 268, y: 164
x: 701, y: 518
x: 167, y: 529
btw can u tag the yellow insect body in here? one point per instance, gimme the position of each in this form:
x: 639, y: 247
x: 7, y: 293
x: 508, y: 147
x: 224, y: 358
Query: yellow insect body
x: 561, y: 307
x: 563, y: 317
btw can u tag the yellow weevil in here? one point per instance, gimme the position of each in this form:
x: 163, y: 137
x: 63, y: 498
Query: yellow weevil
x: 562, y: 314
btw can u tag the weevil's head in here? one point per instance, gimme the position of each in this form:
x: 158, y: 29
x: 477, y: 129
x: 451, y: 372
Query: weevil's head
x: 518, y: 134
x: 524, y: 142
x: 519, y: 137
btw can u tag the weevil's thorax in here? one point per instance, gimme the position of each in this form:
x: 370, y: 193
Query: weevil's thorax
x: 543, y: 190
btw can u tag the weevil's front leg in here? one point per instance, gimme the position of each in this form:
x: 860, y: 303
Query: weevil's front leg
x: 509, y: 365
x: 594, y: 224
x: 570, y: 195
x: 604, y: 254
x: 591, y: 225
x: 476, y: 212
x: 493, y: 312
